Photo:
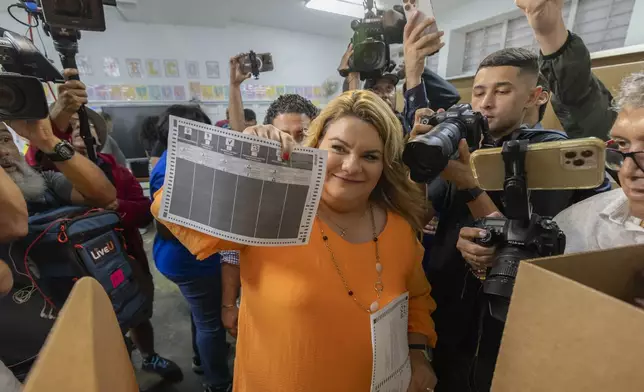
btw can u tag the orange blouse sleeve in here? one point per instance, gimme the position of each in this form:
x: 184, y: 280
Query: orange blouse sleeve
x: 199, y: 244
x: 421, y: 304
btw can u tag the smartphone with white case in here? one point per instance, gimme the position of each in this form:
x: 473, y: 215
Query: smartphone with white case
x: 426, y: 9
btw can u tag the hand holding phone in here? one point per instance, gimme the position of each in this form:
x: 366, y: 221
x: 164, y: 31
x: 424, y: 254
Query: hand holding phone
x: 421, y: 39
x: 426, y: 10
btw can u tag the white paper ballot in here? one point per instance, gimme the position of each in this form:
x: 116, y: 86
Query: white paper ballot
x: 391, y: 363
x: 236, y: 186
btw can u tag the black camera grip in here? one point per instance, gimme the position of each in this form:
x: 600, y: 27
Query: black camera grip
x: 83, y: 119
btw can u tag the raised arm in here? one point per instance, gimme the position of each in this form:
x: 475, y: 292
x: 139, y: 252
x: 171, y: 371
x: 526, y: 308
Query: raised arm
x: 580, y: 100
x: 199, y: 244
x: 417, y: 47
x: 13, y: 210
x: 352, y: 79
x: 90, y: 186
x: 235, y: 104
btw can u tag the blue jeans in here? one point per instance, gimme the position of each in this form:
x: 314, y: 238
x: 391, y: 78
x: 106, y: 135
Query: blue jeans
x: 204, y: 297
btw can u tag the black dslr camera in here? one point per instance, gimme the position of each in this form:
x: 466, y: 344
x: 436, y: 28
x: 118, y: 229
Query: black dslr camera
x: 427, y: 155
x: 518, y: 240
x: 371, y: 39
x: 520, y: 236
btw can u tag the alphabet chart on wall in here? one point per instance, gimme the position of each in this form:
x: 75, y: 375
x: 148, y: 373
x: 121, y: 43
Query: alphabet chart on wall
x: 236, y: 187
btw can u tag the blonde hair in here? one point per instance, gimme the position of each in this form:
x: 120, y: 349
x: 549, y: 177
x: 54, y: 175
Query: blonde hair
x: 394, y: 191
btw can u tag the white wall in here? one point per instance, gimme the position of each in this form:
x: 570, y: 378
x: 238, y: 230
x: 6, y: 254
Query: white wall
x: 456, y: 21
x: 300, y: 59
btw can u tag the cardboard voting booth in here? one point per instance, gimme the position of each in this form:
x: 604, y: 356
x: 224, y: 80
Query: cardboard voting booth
x: 571, y: 325
x: 85, y: 351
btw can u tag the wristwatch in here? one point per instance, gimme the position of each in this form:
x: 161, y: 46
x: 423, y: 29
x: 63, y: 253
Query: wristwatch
x: 471, y: 194
x: 63, y: 151
x: 427, y: 351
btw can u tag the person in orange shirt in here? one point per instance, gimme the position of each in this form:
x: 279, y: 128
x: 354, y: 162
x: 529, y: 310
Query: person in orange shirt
x: 304, y: 323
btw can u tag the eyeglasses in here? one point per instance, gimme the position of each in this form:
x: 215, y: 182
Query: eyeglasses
x: 615, y: 159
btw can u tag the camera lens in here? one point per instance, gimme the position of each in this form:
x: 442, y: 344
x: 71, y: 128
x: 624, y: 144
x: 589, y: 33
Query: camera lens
x: 587, y: 153
x: 11, y: 98
x: 570, y: 155
x: 428, y: 154
x: 578, y: 162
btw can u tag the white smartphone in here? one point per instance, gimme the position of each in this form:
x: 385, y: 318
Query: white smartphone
x: 426, y: 9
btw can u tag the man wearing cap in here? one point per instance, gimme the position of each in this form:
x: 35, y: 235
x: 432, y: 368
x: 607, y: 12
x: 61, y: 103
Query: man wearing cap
x: 423, y: 88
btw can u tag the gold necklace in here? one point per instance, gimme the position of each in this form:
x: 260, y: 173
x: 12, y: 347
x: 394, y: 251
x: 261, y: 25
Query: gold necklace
x: 378, y: 286
x: 343, y: 230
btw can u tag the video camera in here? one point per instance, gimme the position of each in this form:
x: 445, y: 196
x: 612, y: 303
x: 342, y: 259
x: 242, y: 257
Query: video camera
x: 21, y: 92
x: 428, y: 154
x: 371, y: 39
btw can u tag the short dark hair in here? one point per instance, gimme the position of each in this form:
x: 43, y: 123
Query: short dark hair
x: 106, y: 116
x: 149, y: 135
x: 290, y: 103
x: 249, y: 115
x: 524, y: 59
x: 543, y: 82
x: 189, y: 112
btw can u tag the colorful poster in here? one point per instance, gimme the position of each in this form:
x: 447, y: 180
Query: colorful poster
x: 271, y: 92
x: 47, y: 92
x: 207, y: 93
x: 212, y: 69
x: 180, y: 93
x: 308, y: 92
x: 219, y: 93
x: 116, y: 93
x: 195, y: 90
x: 103, y: 93
x: 84, y: 65
x: 226, y: 93
x: 171, y: 68
x: 129, y: 92
x: 317, y: 92
x: 192, y: 69
x: 167, y: 92
x: 91, y: 93
x: 111, y: 67
x: 281, y: 90
x: 153, y: 68
x: 155, y: 93
x: 134, y: 68
x: 291, y: 90
x: 142, y: 93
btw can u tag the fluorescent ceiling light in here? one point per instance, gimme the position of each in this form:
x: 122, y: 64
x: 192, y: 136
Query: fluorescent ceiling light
x: 353, y: 8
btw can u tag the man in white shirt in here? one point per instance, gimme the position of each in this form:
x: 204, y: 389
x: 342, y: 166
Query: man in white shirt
x: 615, y: 218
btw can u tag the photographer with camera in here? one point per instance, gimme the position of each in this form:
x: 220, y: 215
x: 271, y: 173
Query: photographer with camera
x: 79, y: 182
x: 505, y: 91
x: 423, y: 88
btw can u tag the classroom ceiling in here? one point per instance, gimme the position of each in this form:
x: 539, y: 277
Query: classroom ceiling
x: 286, y: 14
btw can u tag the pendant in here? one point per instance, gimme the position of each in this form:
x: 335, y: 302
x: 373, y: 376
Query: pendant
x: 378, y: 267
x: 374, y: 307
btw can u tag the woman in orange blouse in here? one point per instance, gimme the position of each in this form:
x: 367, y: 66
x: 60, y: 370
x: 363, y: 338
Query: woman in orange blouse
x: 304, y: 321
